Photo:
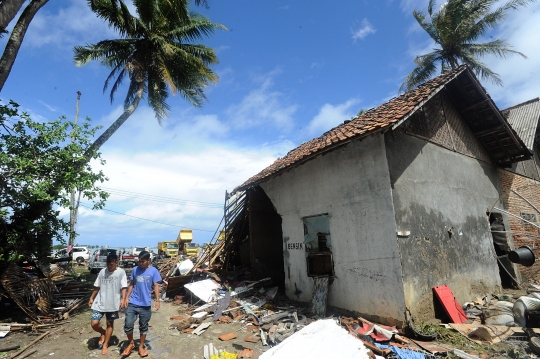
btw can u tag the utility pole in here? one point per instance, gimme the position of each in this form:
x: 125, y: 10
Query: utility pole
x: 72, y: 206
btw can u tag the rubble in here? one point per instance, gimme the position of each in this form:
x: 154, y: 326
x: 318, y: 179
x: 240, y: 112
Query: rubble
x: 44, y: 296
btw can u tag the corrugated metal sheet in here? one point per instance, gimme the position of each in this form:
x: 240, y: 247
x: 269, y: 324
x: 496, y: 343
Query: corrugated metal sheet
x: 524, y: 120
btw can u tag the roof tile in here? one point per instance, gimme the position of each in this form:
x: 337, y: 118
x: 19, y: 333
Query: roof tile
x: 380, y: 117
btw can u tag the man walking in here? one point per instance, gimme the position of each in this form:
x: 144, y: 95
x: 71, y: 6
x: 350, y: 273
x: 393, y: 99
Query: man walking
x: 144, y: 278
x: 108, y: 297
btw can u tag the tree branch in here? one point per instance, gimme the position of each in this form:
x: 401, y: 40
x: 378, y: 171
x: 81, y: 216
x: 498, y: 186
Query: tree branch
x: 16, y: 39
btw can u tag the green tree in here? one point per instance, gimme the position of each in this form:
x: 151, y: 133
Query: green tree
x: 455, y: 28
x: 39, y: 166
x: 156, y: 52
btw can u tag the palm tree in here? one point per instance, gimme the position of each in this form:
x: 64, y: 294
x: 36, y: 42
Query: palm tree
x: 455, y: 28
x: 156, y: 52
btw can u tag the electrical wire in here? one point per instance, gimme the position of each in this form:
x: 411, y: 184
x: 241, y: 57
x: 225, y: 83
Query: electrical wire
x: 161, y: 199
x: 149, y: 220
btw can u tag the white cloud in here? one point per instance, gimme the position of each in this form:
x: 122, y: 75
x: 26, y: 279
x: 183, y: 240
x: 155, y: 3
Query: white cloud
x: 49, y: 107
x: 66, y: 26
x: 190, y: 158
x: 408, y: 6
x: 365, y: 29
x: 330, y: 116
x: 520, y: 76
x: 263, y: 106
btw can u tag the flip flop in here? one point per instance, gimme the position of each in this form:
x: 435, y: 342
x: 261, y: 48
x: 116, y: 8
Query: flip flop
x: 128, y: 350
x: 100, y: 343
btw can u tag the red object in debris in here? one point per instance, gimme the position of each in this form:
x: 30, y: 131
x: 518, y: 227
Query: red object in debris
x: 247, y: 353
x: 450, y: 304
x: 368, y: 328
x: 251, y: 339
x: 227, y: 336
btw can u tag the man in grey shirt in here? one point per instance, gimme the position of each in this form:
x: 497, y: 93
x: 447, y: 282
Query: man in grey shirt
x: 108, y: 297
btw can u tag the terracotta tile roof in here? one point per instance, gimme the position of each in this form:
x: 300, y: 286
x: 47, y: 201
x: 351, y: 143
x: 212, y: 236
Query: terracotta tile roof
x: 373, y: 120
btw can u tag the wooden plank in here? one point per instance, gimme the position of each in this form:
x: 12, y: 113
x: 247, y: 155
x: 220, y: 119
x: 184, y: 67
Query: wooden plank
x: 450, y: 304
x: 433, y: 347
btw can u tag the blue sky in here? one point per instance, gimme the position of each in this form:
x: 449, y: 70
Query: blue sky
x: 289, y: 71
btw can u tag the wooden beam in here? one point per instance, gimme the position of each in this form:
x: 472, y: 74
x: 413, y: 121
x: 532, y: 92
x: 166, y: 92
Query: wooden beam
x: 490, y: 131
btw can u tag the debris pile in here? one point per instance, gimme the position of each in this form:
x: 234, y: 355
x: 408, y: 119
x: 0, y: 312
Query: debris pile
x: 43, y: 296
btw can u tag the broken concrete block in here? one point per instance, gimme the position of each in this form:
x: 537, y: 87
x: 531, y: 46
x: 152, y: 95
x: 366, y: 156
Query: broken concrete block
x: 201, y: 328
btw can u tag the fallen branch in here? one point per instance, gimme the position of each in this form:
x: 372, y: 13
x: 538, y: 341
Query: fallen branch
x: 31, y: 344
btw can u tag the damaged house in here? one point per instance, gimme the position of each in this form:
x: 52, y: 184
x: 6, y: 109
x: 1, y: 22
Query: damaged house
x: 387, y: 205
x: 521, y: 182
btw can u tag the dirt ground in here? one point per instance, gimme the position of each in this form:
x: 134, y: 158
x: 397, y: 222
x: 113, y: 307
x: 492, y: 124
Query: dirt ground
x: 76, y: 339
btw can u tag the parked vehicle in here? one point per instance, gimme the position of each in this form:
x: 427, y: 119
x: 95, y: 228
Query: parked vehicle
x: 98, y: 261
x: 62, y: 258
x: 137, y: 250
x: 80, y: 254
x: 185, y: 245
x: 128, y: 259
x: 191, y: 249
x: 168, y: 248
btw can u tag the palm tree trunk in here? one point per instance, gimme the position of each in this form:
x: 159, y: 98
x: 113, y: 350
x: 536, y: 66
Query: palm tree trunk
x: 8, y: 10
x: 115, y: 125
x: 16, y: 39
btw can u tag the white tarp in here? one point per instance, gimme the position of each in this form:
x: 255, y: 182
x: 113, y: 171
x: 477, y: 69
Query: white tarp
x: 205, y: 290
x: 321, y: 339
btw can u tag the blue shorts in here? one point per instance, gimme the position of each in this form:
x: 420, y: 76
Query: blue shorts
x: 97, y: 315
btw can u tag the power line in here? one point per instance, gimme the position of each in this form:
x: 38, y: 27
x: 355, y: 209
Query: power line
x: 161, y: 199
x: 149, y: 220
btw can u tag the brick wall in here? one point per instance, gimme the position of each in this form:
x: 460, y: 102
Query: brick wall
x: 523, y: 233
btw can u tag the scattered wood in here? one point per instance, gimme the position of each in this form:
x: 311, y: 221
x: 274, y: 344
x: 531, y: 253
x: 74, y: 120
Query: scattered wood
x: 31, y: 344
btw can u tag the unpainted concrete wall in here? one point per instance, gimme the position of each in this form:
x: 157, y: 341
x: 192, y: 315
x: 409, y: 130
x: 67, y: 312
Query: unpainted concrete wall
x: 351, y: 185
x: 441, y: 197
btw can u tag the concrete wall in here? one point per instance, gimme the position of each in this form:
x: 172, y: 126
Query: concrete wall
x: 351, y: 185
x: 436, y: 190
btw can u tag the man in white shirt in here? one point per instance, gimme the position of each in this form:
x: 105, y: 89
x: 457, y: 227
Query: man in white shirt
x: 108, y: 297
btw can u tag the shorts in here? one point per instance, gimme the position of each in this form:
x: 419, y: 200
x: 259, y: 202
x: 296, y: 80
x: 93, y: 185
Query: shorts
x: 97, y: 315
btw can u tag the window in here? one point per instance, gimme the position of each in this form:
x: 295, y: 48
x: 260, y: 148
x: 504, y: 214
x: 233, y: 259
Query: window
x: 318, y: 246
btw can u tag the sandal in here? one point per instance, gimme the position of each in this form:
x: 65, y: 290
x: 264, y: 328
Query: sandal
x: 128, y: 350
x: 142, y: 351
x: 101, y: 342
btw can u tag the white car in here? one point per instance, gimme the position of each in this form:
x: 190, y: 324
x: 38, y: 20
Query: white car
x: 80, y: 254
